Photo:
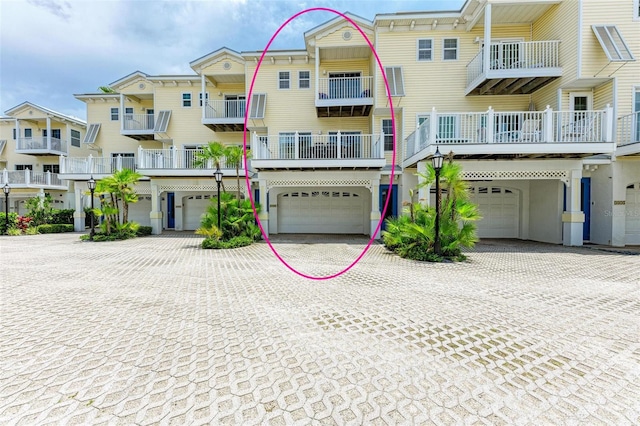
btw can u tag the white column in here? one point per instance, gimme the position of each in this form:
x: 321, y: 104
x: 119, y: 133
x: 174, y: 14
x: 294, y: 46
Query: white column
x: 263, y: 215
x: 486, y: 60
x: 18, y: 134
x: 78, y: 215
x: 317, y: 63
x: 49, y: 133
x: 121, y: 112
x: 548, y: 125
x: 155, y: 215
x: 424, y: 191
x: 573, y: 217
x: 375, y: 208
x: 203, y: 86
x: 490, y: 126
x: 433, y: 126
x: 68, y: 132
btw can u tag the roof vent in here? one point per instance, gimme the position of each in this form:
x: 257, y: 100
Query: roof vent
x: 141, y: 86
x: 347, y: 35
x: 226, y: 65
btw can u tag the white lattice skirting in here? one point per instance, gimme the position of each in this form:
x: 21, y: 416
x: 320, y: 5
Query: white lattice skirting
x: 319, y: 182
x: 201, y: 188
x: 516, y: 174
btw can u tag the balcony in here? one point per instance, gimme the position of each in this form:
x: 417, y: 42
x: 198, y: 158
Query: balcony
x: 344, y: 97
x: 179, y: 162
x: 306, y: 151
x: 225, y: 116
x: 514, y: 68
x: 42, y: 146
x: 510, y: 135
x: 145, y: 126
x: 629, y: 134
x: 29, y: 179
x: 82, y: 167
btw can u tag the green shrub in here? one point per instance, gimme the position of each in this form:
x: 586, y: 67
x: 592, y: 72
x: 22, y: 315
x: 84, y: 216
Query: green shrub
x: 62, y: 217
x: 143, y: 231
x: 235, y: 242
x: 13, y: 222
x: 14, y: 231
x: 54, y: 228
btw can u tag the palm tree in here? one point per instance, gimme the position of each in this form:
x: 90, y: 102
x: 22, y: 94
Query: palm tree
x: 234, y: 156
x: 120, y: 186
x: 211, y: 152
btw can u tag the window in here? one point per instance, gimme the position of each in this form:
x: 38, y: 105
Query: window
x: 124, y: 160
x: 128, y: 110
x: 28, y: 133
x: 395, y: 80
x: 450, y: 49
x: 258, y: 104
x: 206, y: 98
x: 186, y: 100
x: 447, y: 127
x: 114, y: 114
x: 284, y: 80
x: 55, y: 133
x: 636, y: 10
x: 24, y: 167
x: 425, y: 49
x: 75, y: 138
x: 287, y: 142
x: 14, y: 134
x: 612, y: 43
x: 304, y: 79
x: 51, y: 168
x: 422, y: 119
x: 387, y: 129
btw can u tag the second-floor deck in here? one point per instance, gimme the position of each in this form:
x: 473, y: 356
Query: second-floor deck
x: 98, y: 167
x: 516, y: 134
x: 225, y: 115
x: 181, y: 162
x: 628, y: 134
x: 30, y: 179
x: 514, y: 68
x: 42, y: 146
x: 145, y: 126
x: 299, y: 150
x: 344, y: 96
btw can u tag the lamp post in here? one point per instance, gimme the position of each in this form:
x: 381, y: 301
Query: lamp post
x: 91, y: 183
x: 7, y: 189
x: 218, y: 176
x: 436, y: 161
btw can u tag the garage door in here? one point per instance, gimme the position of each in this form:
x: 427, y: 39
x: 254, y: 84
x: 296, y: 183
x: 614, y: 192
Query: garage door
x: 632, y: 215
x: 139, y: 212
x: 193, y: 208
x: 499, y: 208
x: 321, y: 212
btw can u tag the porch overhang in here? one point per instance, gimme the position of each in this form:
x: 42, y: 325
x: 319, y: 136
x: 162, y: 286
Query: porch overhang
x: 510, y: 82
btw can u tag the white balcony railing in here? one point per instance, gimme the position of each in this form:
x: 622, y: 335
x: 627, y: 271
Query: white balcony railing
x: 531, y: 127
x: 138, y: 122
x: 177, y: 159
x: 28, y: 178
x: 629, y: 129
x: 95, y: 165
x: 43, y: 143
x: 516, y: 56
x: 225, y: 109
x: 339, y: 146
x: 345, y: 87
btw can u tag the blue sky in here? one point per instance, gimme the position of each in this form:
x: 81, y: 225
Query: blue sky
x: 51, y: 49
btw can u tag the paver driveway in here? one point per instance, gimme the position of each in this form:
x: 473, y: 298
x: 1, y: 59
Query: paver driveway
x: 155, y: 330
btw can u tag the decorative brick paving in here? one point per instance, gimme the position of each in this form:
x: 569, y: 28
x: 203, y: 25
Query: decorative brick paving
x: 157, y: 331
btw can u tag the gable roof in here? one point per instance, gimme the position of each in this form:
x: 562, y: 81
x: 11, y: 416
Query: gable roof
x: 128, y: 78
x: 362, y: 22
x: 211, y: 57
x: 58, y: 115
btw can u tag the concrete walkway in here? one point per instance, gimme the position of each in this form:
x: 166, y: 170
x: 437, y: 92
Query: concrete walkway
x: 157, y: 331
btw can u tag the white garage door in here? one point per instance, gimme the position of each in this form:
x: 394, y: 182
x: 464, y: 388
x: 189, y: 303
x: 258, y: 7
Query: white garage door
x: 139, y: 212
x: 193, y: 208
x: 321, y: 212
x: 499, y: 208
x: 632, y: 215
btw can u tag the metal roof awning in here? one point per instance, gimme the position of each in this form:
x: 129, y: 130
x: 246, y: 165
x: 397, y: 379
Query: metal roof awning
x: 612, y: 43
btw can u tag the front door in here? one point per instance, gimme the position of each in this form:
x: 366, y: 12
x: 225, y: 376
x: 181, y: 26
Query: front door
x: 585, y: 202
x: 171, y: 210
x: 150, y: 119
x: 392, y: 208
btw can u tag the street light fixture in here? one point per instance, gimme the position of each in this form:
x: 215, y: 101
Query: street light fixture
x: 91, y: 183
x: 7, y: 189
x: 436, y: 162
x: 218, y: 176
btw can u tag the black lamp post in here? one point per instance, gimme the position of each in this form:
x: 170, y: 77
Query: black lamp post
x: 7, y: 189
x: 91, y: 183
x: 218, y: 176
x: 436, y: 161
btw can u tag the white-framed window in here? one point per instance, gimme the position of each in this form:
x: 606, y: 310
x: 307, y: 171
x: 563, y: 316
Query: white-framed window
x: 206, y: 97
x: 387, y: 129
x: 447, y: 126
x: 636, y: 10
x: 186, y: 100
x: 284, y: 80
x: 75, y: 138
x: 28, y: 133
x: 51, y: 168
x: 14, y: 134
x: 304, y: 79
x: 425, y: 49
x: 21, y: 167
x: 395, y: 80
x: 421, y: 118
x: 286, y: 142
x: 114, y: 114
x: 450, y: 49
